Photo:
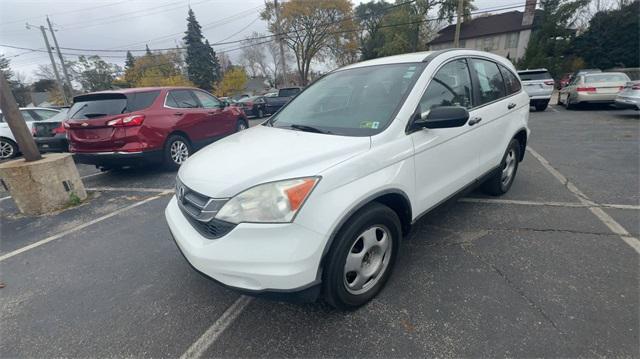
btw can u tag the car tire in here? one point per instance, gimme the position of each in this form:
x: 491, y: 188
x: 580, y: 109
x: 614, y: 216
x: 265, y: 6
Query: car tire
x: 501, y: 180
x: 569, y: 105
x: 560, y: 99
x: 541, y: 105
x: 241, y: 125
x: 176, y: 150
x: 368, y: 243
x: 260, y: 113
x: 8, y: 149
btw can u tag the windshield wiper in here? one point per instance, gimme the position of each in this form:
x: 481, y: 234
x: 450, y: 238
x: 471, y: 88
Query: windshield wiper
x: 306, y: 128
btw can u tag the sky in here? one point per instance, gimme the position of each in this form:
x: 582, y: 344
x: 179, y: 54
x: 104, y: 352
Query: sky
x: 129, y: 24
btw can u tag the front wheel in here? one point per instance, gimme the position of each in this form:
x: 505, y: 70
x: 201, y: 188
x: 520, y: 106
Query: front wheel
x: 8, y: 149
x: 501, y: 180
x: 176, y: 151
x: 260, y: 113
x: 362, y: 257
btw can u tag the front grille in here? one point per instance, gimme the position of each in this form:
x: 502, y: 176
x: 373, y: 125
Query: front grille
x: 200, y: 211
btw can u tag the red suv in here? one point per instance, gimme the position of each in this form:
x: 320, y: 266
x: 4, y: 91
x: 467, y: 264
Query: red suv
x: 157, y: 125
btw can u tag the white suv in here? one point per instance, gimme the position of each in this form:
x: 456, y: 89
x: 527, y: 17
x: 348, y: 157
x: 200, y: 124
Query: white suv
x: 318, y: 198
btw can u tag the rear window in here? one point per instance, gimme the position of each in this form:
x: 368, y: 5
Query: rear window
x: 289, y: 92
x: 534, y: 75
x: 108, y: 104
x: 598, y: 78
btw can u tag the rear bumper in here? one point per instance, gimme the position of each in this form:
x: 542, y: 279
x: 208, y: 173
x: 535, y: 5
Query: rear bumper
x: 118, y: 158
x: 52, y: 144
x: 595, y: 97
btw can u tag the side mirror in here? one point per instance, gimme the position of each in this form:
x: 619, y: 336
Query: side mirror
x: 441, y: 117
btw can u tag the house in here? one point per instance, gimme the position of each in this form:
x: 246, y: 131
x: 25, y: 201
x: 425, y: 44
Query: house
x: 506, y: 34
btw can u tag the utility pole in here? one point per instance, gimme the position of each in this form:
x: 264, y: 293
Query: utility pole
x: 17, y: 125
x: 280, y: 42
x: 64, y: 67
x: 456, y: 39
x: 53, y: 63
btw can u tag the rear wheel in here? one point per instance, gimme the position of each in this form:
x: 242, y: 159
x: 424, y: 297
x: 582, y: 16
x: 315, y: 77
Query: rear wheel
x: 260, y: 113
x: 502, y: 179
x: 362, y: 257
x: 541, y: 105
x: 569, y: 105
x: 8, y: 149
x: 241, y: 125
x: 176, y: 151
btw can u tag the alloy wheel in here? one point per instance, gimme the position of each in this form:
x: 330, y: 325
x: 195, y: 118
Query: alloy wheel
x: 367, y: 260
x: 242, y: 126
x: 179, y: 152
x: 6, y: 150
x: 509, y: 167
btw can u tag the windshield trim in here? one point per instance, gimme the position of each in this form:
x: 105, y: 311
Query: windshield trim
x: 420, y: 66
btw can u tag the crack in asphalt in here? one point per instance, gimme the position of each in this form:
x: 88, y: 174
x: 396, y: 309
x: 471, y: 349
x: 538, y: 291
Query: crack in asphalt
x: 512, y: 285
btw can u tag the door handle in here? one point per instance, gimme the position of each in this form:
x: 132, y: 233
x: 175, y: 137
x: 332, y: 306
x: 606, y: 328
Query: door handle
x: 511, y: 105
x: 474, y: 120
x: 177, y: 113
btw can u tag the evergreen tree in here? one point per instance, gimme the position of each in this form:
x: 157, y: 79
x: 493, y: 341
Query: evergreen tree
x: 4, y: 67
x: 130, y: 62
x: 202, y: 64
x: 148, y: 52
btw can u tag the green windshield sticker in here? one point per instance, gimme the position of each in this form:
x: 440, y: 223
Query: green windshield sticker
x: 370, y: 124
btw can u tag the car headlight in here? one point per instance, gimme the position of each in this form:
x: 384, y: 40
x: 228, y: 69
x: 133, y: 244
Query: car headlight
x: 273, y: 202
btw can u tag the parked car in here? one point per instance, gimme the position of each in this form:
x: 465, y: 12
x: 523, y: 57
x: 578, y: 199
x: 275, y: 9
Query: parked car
x: 592, y: 88
x: 8, y: 146
x: 328, y: 192
x: 254, y: 106
x: 274, y: 103
x: 147, y: 125
x: 539, y: 85
x: 629, y: 97
x: 50, y: 135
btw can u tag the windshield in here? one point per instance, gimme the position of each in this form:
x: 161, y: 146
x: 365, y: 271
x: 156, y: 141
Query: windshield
x: 537, y: 75
x: 354, y: 102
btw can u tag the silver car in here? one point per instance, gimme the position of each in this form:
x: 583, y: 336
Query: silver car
x: 629, y: 97
x: 539, y: 85
x: 593, y: 88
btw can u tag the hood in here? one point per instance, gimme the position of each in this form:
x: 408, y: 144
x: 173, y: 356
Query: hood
x: 264, y: 154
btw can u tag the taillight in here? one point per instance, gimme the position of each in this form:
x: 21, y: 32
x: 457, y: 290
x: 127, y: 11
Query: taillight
x: 66, y: 125
x: 33, y: 131
x: 550, y: 82
x: 59, y: 130
x: 128, y: 121
x: 586, y: 89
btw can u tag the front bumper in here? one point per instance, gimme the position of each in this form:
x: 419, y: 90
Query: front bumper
x: 627, y: 102
x: 254, y: 258
x: 118, y: 158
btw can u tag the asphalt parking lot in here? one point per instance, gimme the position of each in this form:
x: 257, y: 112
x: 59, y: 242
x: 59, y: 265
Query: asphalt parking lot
x: 550, y: 269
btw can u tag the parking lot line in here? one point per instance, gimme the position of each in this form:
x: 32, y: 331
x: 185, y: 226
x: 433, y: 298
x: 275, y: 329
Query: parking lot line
x: 549, y: 204
x: 611, y: 223
x: 200, y: 346
x: 82, y: 226
x: 127, y: 189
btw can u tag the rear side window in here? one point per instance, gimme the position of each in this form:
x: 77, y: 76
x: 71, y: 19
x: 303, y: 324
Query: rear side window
x: 140, y: 100
x: 599, y: 78
x: 535, y: 75
x: 181, y: 99
x: 511, y: 83
x: 490, y: 84
x: 451, y: 86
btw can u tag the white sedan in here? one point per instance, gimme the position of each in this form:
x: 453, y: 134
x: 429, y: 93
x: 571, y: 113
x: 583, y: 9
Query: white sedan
x: 8, y: 145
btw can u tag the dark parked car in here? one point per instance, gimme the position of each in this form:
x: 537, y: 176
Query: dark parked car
x: 147, y: 125
x: 254, y: 106
x: 274, y: 103
x: 50, y: 135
